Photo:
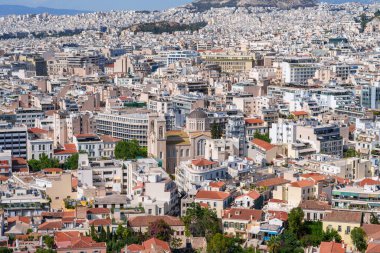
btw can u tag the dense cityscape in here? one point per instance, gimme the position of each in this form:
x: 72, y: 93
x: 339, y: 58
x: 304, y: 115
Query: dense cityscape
x: 241, y: 128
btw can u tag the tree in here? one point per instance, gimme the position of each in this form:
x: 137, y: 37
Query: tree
x: 331, y: 235
x: 175, y: 242
x: 358, y: 237
x: 48, y: 241
x: 216, y: 131
x: 222, y: 244
x: 274, y: 243
x: 160, y: 229
x: 374, y: 219
x: 43, y: 163
x: 201, y: 222
x: 126, y: 150
x: 72, y: 162
x: 295, y: 221
x: 5, y: 250
x: 264, y: 137
x: 350, y: 153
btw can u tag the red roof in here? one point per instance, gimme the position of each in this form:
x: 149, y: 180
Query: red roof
x: 36, y: 130
x: 202, y: 162
x: 217, y: 184
x: 156, y: 243
x: 242, y: 214
x: 101, y: 222
x: 251, y: 194
x: 212, y: 195
x: 262, y: 144
x: 278, y: 215
x: 369, y: 181
x: 85, y: 135
x: 332, y: 247
x: 3, y: 178
x: 299, y: 113
x: 254, y: 121
x: 50, y: 225
x: 303, y: 183
x: 51, y: 170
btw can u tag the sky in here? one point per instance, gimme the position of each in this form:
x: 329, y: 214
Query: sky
x: 100, y: 5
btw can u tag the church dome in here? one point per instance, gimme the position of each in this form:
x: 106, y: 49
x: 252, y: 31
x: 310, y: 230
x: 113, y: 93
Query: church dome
x: 197, y: 114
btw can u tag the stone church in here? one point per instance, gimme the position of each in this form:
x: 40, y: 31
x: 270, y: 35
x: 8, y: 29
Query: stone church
x: 172, y: 147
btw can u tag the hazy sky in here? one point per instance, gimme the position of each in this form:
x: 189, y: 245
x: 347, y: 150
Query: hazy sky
x: 101, y: 5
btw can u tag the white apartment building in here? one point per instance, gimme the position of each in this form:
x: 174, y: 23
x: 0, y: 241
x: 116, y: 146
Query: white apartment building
x: 39, y: 143
x: 191, y: 175
x: 298, y: 73
x: 283, y: 131
x: 128, y: 126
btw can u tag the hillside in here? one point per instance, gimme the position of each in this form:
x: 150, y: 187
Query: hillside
x: 202, y: 5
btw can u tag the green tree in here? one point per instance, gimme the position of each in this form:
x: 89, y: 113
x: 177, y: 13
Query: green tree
x: 5, y: 250
x: 331, y: 235
x: 216, y: 131
x: 295, y: 221
x: 264, y: 137
x: 359, y: 239
x: 201, y: 222
x: 350, y: 153
x: 43, y: 163
x: 374, y: 219
x: 222, y: 244
x: 160, y: 229
x: 274, y: 244
x: 175, y: 242
x: 72, y: 162
x: 126, y: 150
x: 48, y: 241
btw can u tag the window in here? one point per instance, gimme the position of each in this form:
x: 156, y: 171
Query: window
x: 339, y: 228
x: 348, y: 230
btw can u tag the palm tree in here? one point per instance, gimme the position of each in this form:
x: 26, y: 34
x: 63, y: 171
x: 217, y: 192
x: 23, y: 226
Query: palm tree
x: 274, y: 244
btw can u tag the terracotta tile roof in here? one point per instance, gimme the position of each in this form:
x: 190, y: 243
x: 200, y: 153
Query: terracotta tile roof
x: 217, y: 184
x: 315, y: 205
x: 368, y: 181
x: 67, y: 150
x: 156, y: 245
x: 344, y: 216
x: 36, y: 130
x: 352, y: 128
x: 109, y: 138
x: 341, y: 180
x: 254, y: 121
x: 101, y: 222
x: 243, y: 214
x: 276, y: 201
x: 144, y: 221
x: 19, y: 218
x: 50, y: 225
x: 98, y: 211
x: 281, y: 215
x: 135, y: 248
x: 212, y: 195
x: 373, y: 247
x: 18, y: 161
x: 251, y: 194
x: 303, y: 183
x: 202, y: 162
x: 51, y: 170
x: 3, y: 178
x: 85, y: 135
x: 372, y: 231
x: 272, y: 182
x: 331, y: 247
x: 262, y: 144
x: 299, y: 113
x: 315, y: 176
